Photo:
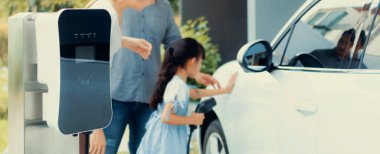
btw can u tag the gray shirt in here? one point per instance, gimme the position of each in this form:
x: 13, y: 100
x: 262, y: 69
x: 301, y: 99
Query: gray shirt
x: 330, y: 59
x: 132, y: 78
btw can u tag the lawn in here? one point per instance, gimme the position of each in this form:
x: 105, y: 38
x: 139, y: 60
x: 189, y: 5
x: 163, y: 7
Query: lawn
x: 3, y: 134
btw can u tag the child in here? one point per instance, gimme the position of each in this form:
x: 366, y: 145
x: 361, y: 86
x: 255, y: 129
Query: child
x: 167, y: 128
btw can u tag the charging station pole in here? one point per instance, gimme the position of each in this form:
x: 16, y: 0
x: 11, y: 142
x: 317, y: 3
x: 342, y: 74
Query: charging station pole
x: 84, y: 141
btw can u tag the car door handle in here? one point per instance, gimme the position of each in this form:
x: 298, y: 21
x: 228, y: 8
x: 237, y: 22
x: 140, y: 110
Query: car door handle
x: 307, y: 108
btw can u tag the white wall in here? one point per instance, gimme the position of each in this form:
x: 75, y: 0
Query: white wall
x: 251, y: 8
x: 266, y: 17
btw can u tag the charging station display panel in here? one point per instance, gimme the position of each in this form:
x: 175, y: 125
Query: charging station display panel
x: 85, y: 53
x: 85, y: 99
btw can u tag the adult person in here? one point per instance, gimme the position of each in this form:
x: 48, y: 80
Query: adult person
x: 115, y: 8
x: 133, y: 78
x: 140, y: 47
x: 339, y: 56
x: 132, y: 82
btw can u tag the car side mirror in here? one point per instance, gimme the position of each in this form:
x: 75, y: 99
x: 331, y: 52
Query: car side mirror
x: 256, y: 56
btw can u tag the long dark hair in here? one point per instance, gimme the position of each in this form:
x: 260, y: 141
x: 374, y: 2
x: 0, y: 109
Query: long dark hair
x: 175, y: 56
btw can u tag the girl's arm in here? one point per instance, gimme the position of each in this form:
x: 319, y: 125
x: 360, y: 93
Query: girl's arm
x: 169, y: 117
x: 199, y: 93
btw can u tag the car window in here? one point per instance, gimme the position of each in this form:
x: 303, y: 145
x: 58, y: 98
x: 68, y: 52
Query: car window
x: 370, y: 54
x: 279, y: 49
x: 324, y: 37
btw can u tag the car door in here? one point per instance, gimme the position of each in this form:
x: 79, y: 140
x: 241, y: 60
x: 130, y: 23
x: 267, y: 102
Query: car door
x: 307, y: 88
x: 349, y: 121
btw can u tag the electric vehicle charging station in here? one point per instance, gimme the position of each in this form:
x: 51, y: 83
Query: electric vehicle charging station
x: 58, y: 79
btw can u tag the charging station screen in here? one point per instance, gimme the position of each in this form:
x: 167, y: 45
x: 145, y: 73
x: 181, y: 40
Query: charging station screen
x: 85, y: 53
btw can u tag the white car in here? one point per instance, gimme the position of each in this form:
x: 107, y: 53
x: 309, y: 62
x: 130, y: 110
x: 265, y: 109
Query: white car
x: 290, y: 100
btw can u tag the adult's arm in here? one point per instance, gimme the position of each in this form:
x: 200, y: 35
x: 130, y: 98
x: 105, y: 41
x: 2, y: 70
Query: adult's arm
x: 172, y: 33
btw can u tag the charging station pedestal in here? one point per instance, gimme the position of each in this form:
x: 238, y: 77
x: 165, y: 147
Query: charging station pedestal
x: 30, y: 131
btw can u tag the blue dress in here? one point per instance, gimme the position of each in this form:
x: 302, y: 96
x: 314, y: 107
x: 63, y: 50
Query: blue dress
x: 163, y: 138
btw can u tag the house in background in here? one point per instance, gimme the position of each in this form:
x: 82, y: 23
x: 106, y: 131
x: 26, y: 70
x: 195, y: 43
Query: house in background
x: 233, y: 23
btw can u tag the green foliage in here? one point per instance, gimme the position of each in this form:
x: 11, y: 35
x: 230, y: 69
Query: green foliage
x: 48, y: 5
x: 3, y: 134
x: 44, y: 6
x: 12, y: 7
x: 3, y: 93
x: 198, y: 30
x: 3, y: 47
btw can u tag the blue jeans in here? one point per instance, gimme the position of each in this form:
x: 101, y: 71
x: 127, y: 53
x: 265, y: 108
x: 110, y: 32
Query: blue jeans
x: 133, y: 114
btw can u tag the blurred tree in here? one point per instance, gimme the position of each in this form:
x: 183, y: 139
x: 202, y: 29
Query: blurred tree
x: 3, y: 47
x: 12, y: 7
x: 3, y: 93
x: 199, y: 30
x: 48, y: 5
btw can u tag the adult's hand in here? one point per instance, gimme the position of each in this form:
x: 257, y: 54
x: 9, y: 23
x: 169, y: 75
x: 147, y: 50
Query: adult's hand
x: 140, y: 46
x: 207, y: 80
x: 97, y: 142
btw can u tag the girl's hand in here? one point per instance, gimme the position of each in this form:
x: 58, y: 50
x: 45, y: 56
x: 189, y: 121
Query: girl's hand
x: 197, y: 118
x: 97, y: 142
x: 231, y: 83
x: 140, y: 46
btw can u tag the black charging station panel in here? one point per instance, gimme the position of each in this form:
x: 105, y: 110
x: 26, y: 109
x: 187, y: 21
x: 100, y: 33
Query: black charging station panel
x: 85, y: 97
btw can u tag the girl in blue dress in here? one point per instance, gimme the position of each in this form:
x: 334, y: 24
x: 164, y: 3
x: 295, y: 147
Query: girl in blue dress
x: 167, y: 129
